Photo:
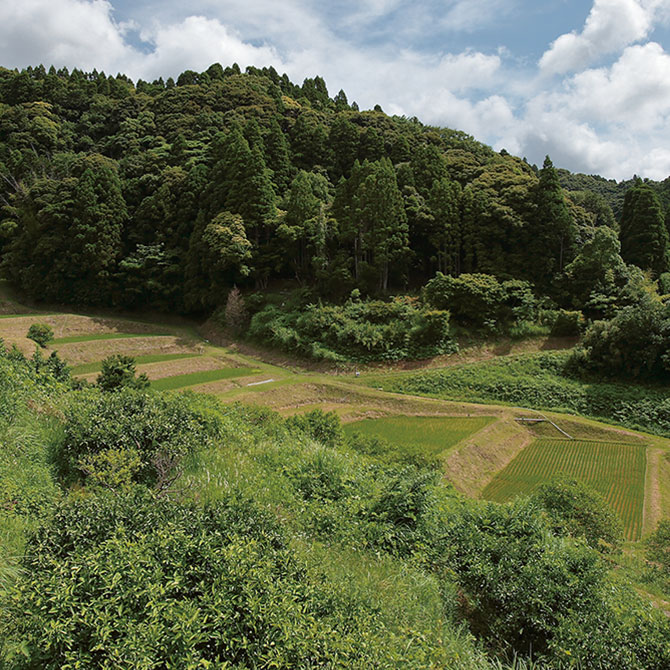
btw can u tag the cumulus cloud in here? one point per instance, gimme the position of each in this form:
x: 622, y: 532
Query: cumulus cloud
x: 610, y: 26
x: 61, y: 32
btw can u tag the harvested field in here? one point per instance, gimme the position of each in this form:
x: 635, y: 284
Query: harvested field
x: 615, y: 470
x: 79, y: 353
x: 197, y: 378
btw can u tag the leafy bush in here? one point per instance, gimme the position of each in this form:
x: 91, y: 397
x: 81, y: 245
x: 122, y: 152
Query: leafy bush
x: 324, y: 427
x: 107, y: 431
x: 135, y: 582
x: 481, y: 301
x: 119, y: 371
x: 576, y: 510
x: 634, y: 344
x: 40, y: 333
x: 566, y: 323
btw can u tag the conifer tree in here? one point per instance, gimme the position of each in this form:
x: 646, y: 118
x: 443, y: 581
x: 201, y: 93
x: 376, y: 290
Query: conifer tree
x: 644, y: 237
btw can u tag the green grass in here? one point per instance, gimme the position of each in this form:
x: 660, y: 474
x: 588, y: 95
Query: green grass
x: 537, y: 381
x: 194, y: 378
x: 139, y: 360
x: 103, y: 336
x: 615, y: 470
x: 425, y: 435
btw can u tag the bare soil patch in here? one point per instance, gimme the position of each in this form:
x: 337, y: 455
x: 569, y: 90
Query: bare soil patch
x: 181, y: 367
x: 78, y: 353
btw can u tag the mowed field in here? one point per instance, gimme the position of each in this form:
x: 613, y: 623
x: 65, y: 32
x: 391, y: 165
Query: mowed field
x: 616, y: 470
x: 426, y: 435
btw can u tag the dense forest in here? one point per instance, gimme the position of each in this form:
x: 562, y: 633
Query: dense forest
x: 168, y: 193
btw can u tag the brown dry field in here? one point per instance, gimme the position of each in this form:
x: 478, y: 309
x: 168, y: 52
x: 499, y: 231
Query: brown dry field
x: 78, y: 353
x: 172, y: 368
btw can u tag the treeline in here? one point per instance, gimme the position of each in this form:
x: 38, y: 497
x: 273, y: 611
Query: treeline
x: 168, y: 193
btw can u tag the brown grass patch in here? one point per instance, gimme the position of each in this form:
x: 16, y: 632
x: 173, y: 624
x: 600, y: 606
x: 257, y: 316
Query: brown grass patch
x: 215, y: 388
x: 180, y: 367
x: 481, y: 456
x: 78, y: 353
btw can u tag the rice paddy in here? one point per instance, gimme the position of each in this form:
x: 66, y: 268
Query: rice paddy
x: 615, y: 470
x: 195, y: 378
x: 425, y: 435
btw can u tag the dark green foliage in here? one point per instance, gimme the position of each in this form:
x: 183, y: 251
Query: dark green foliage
x: 119, y: 371
x: 634, y: 344
x: 578, y: 511
x: 358, y: 330
x: 481, y: 301
x: 644, y: 236
x: 519, y: 583
x: 40, y: 333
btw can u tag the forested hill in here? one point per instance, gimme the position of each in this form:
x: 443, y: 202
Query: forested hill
x: 168, y: 193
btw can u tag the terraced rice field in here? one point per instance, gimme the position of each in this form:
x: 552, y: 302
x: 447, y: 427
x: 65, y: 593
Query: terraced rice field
x: 427, y: 435
x: 615, y: 470
x: 196, y: 378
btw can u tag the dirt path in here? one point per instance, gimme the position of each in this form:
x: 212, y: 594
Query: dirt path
x: 653, y: 504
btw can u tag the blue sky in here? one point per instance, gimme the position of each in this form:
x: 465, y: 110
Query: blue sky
x: 587, y: 82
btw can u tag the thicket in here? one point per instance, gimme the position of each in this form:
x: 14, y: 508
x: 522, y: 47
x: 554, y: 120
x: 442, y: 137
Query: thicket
x: 360, y: 330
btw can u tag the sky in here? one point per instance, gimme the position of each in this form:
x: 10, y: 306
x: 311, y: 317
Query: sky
x: 587, y: 82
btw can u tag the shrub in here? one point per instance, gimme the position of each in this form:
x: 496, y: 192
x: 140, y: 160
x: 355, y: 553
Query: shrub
x: 119, y: 371
x: 576, y: 510
x: 324, y: 427
x: 40, y: 333
x: 567, y: 323
x: 107, y: 431
x: 135, y: 582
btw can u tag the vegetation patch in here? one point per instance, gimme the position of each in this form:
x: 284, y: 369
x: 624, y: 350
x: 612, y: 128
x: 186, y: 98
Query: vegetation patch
x: 615, y: 470
x: 425, y: 435
x: 204, y: 377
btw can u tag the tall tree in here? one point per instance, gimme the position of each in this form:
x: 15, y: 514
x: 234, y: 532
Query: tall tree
x: 445, y: 206
x: 549, y: 234
x: 644, y: 237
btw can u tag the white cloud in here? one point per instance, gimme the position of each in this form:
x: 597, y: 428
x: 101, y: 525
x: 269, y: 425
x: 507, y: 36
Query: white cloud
x: 195, y: 44
x: 61, y: 32
x: 610, y: 26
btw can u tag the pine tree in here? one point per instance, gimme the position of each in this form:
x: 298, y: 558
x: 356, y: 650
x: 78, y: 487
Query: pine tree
x: 445, y: 206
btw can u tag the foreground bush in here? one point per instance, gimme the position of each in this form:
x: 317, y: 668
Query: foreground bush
x: 131, y: 436
x: 134, y: 582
